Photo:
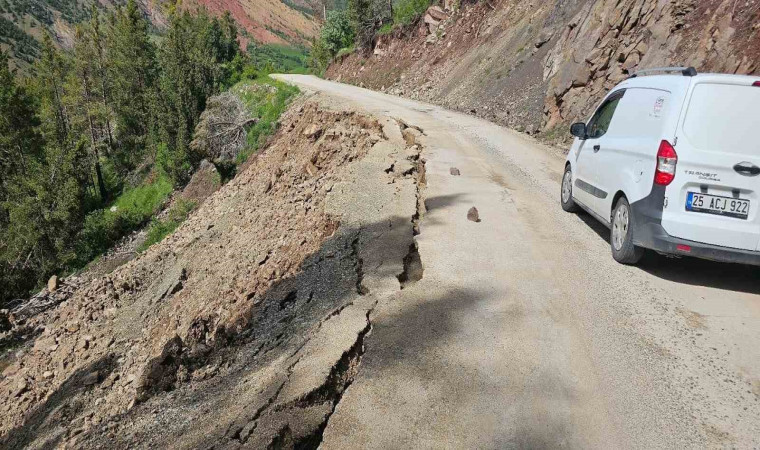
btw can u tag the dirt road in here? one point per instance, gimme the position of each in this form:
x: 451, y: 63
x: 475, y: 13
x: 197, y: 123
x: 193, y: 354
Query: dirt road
x: 523, y: 332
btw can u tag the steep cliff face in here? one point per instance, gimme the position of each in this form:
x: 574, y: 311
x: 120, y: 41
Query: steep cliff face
x: 537, y: 65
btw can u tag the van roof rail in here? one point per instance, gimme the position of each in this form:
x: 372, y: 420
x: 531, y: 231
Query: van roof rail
x: 685, y: 71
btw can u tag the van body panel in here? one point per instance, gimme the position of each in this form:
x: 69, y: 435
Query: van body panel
x: 583, y: 174
x: 626, y: 160
x: 718, y: 128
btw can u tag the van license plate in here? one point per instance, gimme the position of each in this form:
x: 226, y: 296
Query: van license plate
x: 714, y: 204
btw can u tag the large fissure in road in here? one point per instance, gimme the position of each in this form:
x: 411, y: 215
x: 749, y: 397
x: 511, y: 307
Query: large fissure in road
x: 344, y: 372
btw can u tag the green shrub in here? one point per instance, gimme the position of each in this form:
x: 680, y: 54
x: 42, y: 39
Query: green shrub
x: 345, y: 51
x: 385, y: 29
x: 274, y: 58
x: 337, y: 33
x: 266, y: 98
x: 319, y: 58
x: 159, y: 229
x: 174, y: 162
x: 407, y: 11
x: 133, y: 208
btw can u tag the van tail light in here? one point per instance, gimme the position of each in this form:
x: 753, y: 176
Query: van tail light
x: 756, y: 83
x: 666, y: 164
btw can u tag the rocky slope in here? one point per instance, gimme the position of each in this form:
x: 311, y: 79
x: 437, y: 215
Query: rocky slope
x: 537, y: 65
x: 252, y: 313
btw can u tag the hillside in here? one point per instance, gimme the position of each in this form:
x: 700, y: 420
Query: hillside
x: 22, y: 23
x: 269, y: 21
x: 534, y: 66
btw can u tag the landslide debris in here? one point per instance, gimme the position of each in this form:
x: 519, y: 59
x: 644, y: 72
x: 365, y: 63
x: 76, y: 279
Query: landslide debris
x: 191, y: 343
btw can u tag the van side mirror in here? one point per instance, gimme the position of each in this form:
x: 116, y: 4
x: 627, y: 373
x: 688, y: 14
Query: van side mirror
x: 578, y: 130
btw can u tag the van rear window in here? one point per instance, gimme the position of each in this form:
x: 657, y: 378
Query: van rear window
x: 724, y: 118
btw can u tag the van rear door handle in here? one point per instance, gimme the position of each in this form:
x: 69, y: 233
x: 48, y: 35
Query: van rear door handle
x: 747, y: 169
x: 597, y: 148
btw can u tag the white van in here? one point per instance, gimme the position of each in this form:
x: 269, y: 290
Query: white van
x: 671, y: 162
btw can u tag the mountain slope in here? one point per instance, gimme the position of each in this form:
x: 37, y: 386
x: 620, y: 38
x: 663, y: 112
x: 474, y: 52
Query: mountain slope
x: 269, y: 21
x: 22, y: 23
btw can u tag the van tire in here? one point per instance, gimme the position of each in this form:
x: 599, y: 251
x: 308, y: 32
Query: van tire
x: 621, y: 235
x: 566, y: 198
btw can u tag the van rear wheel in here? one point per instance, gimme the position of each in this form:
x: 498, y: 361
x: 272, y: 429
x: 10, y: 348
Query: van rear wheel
x: 621, y: 235
x: 566, y: 197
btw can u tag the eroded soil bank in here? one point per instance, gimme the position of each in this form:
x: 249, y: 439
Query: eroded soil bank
x: 245, y: 326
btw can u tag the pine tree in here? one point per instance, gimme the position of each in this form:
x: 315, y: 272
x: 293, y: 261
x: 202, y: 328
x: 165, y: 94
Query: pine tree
x: 230, y: 44
x: 43, y: 206
x: 19, y: 139
x: 132, y: 72
x: 98, y: 40
x: 51, y: 71
x: 362, y: 15
x: 88, y: 116
x: 192, y: 57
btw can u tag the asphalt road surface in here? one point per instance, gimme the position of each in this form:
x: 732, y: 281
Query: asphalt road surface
x: 523, y: 331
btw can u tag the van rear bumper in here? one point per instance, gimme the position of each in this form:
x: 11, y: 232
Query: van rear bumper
x: 654, y: 237
x: 649, y: 233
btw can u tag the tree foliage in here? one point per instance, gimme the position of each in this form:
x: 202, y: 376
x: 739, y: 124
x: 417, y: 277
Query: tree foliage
x: 193, y: 60
x: 338, y: 32
x: 131, y: 76
x: 88, y: 122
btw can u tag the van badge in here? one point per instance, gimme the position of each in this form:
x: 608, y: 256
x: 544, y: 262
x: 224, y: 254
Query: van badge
x: 658, y: 104
x: 708, y: 176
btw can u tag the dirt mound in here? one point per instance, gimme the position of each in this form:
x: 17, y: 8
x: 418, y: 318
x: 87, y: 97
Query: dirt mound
x: 243, y: 281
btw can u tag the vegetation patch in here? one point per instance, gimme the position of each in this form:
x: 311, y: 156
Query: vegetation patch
x: 407, y: 11
x: 159, y: 229
x: 338, y: 32
x: 131, y: 210
x: 93, y: 117
x: 266, y: 98
x: 342, y: 53
x: 274, y: 58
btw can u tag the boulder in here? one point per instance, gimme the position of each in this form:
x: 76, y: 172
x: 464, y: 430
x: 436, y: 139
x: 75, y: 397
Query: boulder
x: 91, y: 378
x: 437, y: 13
x: 473, y: 215
x: 204, y: 182
x: 52, y: 283
x: 161, y: 372
x: 431, y: 23
x: 631, y: 61
x: 543, y: 37
x: 313, y: 131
